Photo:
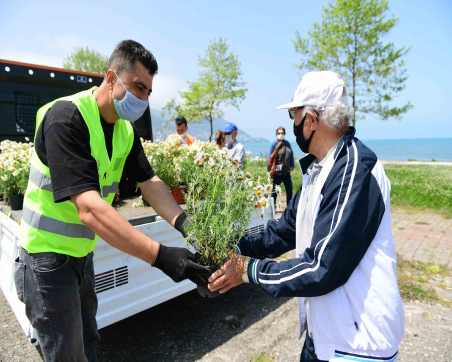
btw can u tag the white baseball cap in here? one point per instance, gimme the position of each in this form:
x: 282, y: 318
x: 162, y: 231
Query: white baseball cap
x: 318, y: 89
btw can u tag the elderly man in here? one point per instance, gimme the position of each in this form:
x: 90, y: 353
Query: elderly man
x: 340, y: 225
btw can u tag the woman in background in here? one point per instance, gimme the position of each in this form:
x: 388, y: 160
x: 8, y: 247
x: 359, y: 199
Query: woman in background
x: 219, y: 139
x: 281, y: 163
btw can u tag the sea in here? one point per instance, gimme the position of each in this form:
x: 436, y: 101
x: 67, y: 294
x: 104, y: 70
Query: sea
x: 421, y: 149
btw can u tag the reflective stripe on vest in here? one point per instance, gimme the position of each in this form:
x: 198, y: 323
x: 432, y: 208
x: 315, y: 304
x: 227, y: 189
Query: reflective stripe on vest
x: 39, y: 179
x: 46, y: 223
x: 44, y: 182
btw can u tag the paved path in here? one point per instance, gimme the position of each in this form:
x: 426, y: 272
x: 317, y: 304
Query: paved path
x: 423, y: 236
x: 420, y: 235
x: 245, y: 323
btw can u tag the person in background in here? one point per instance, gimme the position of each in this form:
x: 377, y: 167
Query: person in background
x: 236, y: 150
x: 281, y: 163
x: 182, y: 131
x: 219, y: 139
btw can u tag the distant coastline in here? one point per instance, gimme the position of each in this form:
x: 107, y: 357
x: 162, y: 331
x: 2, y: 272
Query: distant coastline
x: 417, y: 163
x: 433, y: 150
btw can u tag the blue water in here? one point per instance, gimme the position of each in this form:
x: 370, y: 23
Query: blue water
x: 424, y: 149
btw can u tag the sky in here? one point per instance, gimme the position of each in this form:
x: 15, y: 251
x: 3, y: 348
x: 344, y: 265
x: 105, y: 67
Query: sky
x: 260, y: 33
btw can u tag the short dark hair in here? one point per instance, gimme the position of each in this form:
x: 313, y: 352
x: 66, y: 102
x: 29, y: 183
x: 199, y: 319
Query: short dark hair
x: 180, y: 120
x: 128, y: 52
x: 281, y: 129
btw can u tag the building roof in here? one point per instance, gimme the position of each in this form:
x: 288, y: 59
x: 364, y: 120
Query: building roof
x: 6, y: 62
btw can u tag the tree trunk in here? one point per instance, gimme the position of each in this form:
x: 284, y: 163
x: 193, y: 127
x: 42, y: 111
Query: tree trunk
x: 353, y: 98
x: 211, y: 127
x: 354, y: 79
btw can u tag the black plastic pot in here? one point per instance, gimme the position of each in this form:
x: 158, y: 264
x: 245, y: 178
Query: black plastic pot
x: 16, y: 201
x: 203, y: 291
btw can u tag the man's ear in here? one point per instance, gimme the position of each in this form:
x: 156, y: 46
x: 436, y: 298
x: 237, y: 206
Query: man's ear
x: 312, y: 121
x: 110, y: 78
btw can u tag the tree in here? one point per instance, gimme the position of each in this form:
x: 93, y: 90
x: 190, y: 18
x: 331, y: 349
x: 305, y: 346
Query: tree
x: 349, y: 40
x: 219, y: 84
x: 87, y: 60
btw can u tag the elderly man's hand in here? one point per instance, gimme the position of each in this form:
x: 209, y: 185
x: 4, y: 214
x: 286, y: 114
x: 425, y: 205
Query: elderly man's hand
x: 229, y: 275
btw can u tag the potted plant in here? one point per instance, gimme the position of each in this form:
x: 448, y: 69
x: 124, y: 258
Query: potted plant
x: 219, y: 196
x: 176, y: 163
x: 220, y: 201
x: 161, y: 156
x: 14, y: 171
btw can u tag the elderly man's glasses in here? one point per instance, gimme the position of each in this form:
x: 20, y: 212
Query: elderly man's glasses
x: 292, y: 112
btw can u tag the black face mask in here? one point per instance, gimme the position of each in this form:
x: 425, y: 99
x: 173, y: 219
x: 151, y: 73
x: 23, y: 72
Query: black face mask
x: 302, y: 142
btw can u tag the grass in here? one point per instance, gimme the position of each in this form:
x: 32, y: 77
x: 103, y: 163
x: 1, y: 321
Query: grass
x: 259, y: 168
x: 418, y: 280
x: 262, y: 357
x: 420, y: 187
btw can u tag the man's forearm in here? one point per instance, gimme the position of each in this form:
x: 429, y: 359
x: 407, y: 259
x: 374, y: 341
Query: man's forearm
x: 106, y: 222
x: 157, y: 194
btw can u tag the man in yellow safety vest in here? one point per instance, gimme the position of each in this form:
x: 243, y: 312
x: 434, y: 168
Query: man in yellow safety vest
x: 84, y: 143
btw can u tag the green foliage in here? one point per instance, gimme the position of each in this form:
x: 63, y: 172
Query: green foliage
x: 86, y: 60
x: 14, y: 167
x: 258, y: 169
x: 219, y: 84
x: 424, y: 187
x: 350, y: 40
x: 219, y: 202
x: 263, y: 357
x: 220, y: 197
x: 419, y: 187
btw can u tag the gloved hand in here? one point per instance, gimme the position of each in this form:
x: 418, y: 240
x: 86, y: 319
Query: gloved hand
x: 180, y: 264
x: 181, y: 222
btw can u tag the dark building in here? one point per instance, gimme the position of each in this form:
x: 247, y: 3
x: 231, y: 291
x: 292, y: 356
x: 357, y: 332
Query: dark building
x: 25, y: 87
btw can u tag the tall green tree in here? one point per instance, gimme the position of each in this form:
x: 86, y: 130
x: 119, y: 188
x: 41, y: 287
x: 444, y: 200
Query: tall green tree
x: 350, y: 40
x: 87, y: 60
x: 219, y: 84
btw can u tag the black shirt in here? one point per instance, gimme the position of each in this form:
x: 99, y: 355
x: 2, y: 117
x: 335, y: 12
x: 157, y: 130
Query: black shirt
x: 62, y: 144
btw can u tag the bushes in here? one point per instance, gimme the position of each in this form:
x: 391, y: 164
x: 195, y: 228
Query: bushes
x: 14, y: 166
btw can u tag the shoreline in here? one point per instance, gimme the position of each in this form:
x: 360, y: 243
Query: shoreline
x: 417, y: 163
x: 389, y: 162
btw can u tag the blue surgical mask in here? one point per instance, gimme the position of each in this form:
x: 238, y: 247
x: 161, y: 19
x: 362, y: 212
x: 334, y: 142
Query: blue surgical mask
x: 130, y: 107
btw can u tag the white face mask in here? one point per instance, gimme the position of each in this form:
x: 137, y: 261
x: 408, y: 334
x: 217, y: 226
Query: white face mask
x: 228, y: 141
x: 280, y: 137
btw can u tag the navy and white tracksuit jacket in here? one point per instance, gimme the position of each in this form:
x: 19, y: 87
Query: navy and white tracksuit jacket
x: 345, y: 273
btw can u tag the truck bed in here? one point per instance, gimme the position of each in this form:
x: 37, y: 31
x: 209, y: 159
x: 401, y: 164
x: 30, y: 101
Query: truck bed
x: 125, y: 285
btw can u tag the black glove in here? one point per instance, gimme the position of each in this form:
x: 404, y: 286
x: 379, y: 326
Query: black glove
x: 180, y: 264
x: 181, y: 222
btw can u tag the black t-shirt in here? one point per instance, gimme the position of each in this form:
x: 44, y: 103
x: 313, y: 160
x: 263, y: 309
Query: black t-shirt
x: 62, y: 143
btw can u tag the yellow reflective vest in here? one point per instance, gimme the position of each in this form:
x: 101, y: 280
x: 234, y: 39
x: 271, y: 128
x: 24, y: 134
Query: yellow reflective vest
x: 47, y: 226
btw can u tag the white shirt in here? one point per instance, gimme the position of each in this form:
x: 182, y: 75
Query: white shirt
x: 237, y: 153
x: 307, y: 209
